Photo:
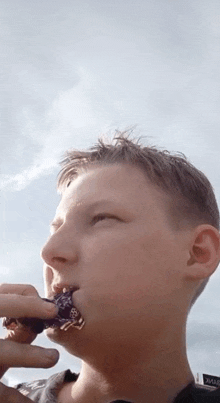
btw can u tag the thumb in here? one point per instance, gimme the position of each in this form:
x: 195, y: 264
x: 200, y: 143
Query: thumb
x: 11, y: 395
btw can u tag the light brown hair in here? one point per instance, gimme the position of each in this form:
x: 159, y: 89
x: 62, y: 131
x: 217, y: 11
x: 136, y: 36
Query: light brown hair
x: 191, y: 196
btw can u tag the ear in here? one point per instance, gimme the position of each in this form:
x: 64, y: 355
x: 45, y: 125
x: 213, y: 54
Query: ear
x: 204, y: 252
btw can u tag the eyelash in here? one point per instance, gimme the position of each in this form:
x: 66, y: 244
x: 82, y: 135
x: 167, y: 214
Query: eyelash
x: 97, y: 217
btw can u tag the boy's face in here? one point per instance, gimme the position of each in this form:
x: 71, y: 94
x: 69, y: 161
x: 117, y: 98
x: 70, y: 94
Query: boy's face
x: 112, y: 240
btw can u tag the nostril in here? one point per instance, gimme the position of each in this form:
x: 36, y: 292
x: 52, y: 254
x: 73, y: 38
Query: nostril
x: 59, y: 259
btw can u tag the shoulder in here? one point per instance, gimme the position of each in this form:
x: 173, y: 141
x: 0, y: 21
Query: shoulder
x: 206, y: 395
x: 198, y: 394
x: 44, y: 390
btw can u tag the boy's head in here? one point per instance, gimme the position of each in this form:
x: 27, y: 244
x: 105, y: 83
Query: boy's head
x: 136, y: 236
x: 189, y: 198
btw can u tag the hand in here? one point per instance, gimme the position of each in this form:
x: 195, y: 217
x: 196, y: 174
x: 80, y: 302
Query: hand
x: 11, y: 395
x: 18, y: 301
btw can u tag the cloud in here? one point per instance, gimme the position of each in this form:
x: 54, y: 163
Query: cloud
x: 73, y: 72
x: 20, y: 181
x: 100, y: 69
x: 72, y: 119
x: 5, y: 273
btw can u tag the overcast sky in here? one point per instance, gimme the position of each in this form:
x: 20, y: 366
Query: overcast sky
x: 73, y: 70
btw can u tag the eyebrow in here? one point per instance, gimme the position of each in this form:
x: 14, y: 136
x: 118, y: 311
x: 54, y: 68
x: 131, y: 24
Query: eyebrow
x: 56, y: 222
x: 100, y: 202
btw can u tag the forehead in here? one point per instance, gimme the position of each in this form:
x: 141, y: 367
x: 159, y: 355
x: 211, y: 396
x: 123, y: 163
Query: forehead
x: 118, y: 183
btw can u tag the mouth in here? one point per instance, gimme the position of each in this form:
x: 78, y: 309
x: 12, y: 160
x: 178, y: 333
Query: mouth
x: 68, y: 315
x: 61, y: 289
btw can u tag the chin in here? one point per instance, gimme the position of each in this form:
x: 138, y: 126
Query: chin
x: 78, y: 343
x: 57, y: 335
x: 69, y: 339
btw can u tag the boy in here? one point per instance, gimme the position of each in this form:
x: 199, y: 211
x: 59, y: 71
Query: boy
x: 136, y: 236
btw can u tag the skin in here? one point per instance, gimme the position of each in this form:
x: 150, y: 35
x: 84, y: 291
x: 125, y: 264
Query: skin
x: 17, y: 300
x: 136, y: 277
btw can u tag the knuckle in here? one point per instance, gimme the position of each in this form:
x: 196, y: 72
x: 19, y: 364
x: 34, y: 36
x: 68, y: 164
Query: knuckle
x: 6, y: 394
x: 10, y: 395
x: 7, y: 348
x: 14, y: 352
x: 2, y: 389
x: 20, y: 289
x: 29, y: 289
x: 15, y: 396
x: 3, y: 286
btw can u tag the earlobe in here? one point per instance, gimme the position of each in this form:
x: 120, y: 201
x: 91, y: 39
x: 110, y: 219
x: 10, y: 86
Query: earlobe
x: 204, y: 252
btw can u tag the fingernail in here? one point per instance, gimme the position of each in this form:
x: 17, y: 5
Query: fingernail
x: 52, y: 354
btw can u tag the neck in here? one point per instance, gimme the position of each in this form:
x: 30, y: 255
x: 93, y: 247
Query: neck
x: 153, y: 374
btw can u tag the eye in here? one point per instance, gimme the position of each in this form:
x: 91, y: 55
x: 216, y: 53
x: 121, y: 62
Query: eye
x: 102, y: 217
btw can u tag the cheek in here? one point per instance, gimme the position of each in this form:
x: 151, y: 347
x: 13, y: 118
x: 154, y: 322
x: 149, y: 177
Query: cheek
x: 126, y: 260
x: 129, y: 274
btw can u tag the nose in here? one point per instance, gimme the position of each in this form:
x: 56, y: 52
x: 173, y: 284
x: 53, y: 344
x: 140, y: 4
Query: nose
x: 60, y: 250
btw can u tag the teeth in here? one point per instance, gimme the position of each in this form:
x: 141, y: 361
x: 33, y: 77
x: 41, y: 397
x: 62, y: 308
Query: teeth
x: 66, y: 289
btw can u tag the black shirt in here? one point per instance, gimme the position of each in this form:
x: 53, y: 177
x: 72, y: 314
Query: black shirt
x: 45, y: 390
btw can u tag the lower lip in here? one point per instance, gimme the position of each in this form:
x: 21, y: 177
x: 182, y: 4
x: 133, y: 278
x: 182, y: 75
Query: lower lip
x: 56, y: 331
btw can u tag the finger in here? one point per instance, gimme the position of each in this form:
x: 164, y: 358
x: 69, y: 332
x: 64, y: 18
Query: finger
x: 24, y: 355
x: 19, y: 306
x: 3, y: 369
x: 21, y: 289
x: 49, y: 310
x: 11, y: 395
x: 20, y: 334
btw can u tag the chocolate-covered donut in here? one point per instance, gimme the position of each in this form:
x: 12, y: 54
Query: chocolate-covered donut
x: 68, y: 316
